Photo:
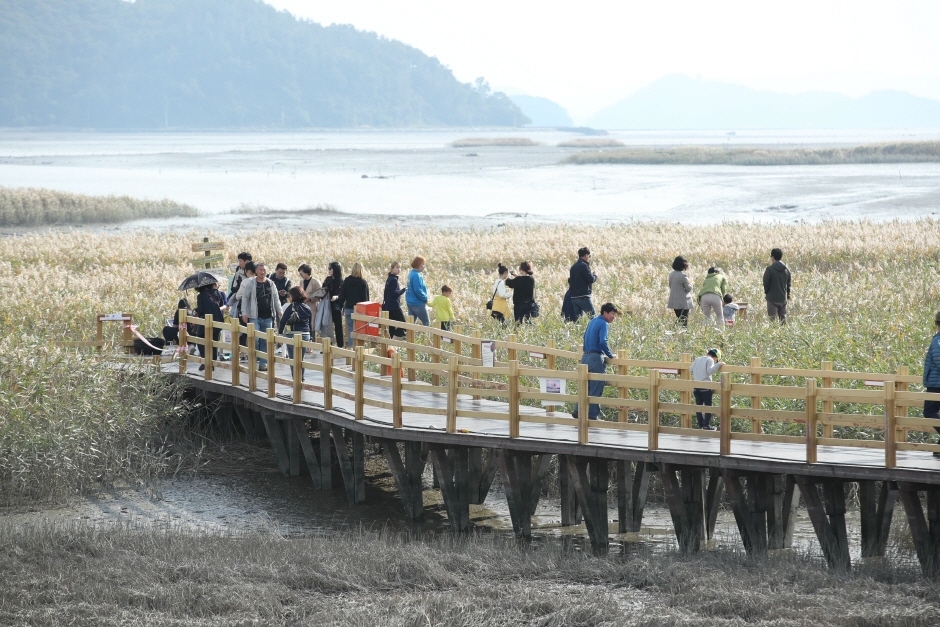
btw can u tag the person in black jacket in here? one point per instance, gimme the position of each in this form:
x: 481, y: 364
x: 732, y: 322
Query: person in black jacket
x: 777, y: 287
x: 302, y: 325
x: 209, y: 302
x: 171, y: 333
x: 523, y: 292
x: 355, y: 290
x: 333, y: 284
x: 391, y: 301
x: 580, y: 281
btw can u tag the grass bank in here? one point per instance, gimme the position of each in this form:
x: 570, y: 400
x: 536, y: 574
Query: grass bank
x: 69, y: 425
x: 476, y: 142
x: 898, y: 152
x: 72, y: 574
x: 591, y: 142
x: 39, y: 207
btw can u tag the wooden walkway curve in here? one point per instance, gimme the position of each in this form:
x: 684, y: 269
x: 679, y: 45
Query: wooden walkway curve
x: 442, y: 404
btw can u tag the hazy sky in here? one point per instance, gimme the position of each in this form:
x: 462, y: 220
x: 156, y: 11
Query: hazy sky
x: 589, y: 54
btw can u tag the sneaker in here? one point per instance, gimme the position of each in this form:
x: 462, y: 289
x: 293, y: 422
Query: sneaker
x: 574, y: 414
x: 709, y: 428
x: 202, y: 367
x: 263, y: 368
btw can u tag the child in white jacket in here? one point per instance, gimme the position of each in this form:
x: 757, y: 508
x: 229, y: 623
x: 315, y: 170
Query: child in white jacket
x: 702, y: 370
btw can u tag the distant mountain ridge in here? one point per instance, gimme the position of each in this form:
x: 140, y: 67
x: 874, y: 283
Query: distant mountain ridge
x: 683, y: 103
x: 542, y: 111
x: 219, y: 64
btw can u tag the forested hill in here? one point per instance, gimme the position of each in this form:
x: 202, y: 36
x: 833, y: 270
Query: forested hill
x: 218, y: 64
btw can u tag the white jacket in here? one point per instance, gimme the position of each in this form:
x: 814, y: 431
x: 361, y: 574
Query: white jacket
x: 704, y: 367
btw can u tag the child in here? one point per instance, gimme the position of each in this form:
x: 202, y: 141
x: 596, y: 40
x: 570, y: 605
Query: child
x: 443, y: 308
x: 730, y: 310
x: 702, y: 370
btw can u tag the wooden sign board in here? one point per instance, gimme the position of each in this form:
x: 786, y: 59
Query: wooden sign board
x: 200, y: 262
x: 204, y: 246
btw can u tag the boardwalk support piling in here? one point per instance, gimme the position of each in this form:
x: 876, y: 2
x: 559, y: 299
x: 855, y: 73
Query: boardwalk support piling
x: 482, y: 473
x: 589, y: 476
x: 326, y: 458
x: 313, y: 463
x: 632, y: 488
x: 352, y: 469
x: 876, y: 509
x: 924, y: 529
x: 451, y: 467
x: 407, y: 473
x: 686, y: 504
x: 828, y: 517
x: 713, y: 494
x: 570, y: 510
x: 278, y: 442
x: 522, y: 475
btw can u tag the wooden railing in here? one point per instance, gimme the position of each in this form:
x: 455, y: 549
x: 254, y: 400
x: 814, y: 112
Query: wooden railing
x: 451, y: 374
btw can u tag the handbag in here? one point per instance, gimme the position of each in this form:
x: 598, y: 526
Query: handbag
x: 293, y: 318
x: 489, y: 303
x: 534, y: 310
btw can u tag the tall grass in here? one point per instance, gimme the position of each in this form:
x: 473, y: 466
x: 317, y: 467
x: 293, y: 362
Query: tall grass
x: 897, y: 152
x: 68, y: 424
x: 37, y: 207
x: 475, y: 142
x: 74, y: 574
x: 591, y: 142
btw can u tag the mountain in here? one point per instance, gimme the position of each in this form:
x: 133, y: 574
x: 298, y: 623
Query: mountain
x: 219, y: 64
x: 542, y: 111
x: 680, y: 102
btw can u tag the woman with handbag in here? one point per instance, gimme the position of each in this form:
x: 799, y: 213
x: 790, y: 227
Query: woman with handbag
x: 499, y: 302
x: 523, y: 293
x: 296, y: 320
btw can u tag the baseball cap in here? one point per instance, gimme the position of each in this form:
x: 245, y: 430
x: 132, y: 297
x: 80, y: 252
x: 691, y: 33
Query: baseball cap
x: 715, y: 352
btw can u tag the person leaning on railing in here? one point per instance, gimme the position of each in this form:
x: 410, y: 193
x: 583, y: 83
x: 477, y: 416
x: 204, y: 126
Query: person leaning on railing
x: 296, y: 319
x: 596, y: 354
x: 932, y: 375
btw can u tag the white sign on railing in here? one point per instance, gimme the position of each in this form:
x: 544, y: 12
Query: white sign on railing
x: 488, y: 348
x: 552, y: 385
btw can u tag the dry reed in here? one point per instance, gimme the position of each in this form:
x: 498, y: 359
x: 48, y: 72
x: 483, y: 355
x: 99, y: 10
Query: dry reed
x: 591, y: 142
x: 37, y: 207
x: 476, y: 142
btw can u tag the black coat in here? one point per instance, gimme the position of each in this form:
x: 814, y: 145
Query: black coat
x: 391, y: 300
x: 354, y: 290
x: 304, y: 313
x: 333, y: 288
x: 581, y: 279
x: 523, y: 289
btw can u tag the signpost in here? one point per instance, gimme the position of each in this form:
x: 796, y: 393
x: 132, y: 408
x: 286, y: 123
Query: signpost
x: 209, y: 255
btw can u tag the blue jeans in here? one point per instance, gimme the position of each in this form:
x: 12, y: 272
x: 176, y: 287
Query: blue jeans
x: 261, y: 343
x: 583, y: 306
x: 290, y: 351
x: 595, y: 364
x: 421, y: 313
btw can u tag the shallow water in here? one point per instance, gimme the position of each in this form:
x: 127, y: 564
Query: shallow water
x: 406, y: 177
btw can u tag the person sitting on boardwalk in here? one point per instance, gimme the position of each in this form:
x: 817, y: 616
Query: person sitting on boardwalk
x: 580, y: 281
x: 932, y: 375
x: 444, y: 308
x: 710, y: 296
x: 596, y: 354
x: 416, y: 292
x: 777, y: 287
x: 702, y: 370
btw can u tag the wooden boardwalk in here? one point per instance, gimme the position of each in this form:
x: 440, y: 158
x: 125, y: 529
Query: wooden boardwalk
x: 468, y: 420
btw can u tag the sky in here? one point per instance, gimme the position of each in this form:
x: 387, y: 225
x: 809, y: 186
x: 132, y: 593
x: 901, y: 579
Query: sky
x: 590, y: 54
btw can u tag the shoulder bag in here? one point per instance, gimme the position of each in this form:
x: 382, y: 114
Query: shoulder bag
x: 489, y: 303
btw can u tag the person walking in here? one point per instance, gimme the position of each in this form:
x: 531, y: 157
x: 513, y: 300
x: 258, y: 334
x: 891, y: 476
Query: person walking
x: 282, y: 282
x: 297, y: 319
x: 332, y: 285
x: 777, y: 287
x: 500, y: 307
x: 240, y: 275
x: 259, y: 306
x: 711, y: 296
x: 932, y: 375
x: 580, y: 284
x: 702, y: 370
x: 416, y: 292
x: 391, y: 299
x: 523, y: 292
x: 355, y: 290
x: 680, y: 290
x: 596, y: 353
x: 210, y: 302
x: 311, y: 289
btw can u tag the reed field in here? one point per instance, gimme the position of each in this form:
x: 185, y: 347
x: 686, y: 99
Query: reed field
x: 40, y: 207
x: 591, y: 142
x: 73, y: 574
x: 477, y: 142
x: 897, y: 152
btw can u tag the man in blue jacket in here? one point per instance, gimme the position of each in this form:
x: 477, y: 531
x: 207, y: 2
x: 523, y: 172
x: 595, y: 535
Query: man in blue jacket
x: 580, y: 281
x: 932, y: 375
x: 596, y: 354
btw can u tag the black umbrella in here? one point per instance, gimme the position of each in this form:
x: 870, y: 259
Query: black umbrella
x: 200, y: 279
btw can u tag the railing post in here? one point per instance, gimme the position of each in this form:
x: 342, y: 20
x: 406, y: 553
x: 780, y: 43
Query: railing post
x: 360, y: 380
x: 511, y: 352
x: 383, y: 315
x: 410, y: 338
x: 756, y: 378
x: 891, y: 427
x: 811, y: 435
x: 183, y: 317
x: 900, y: 406
x: 327, y: 373
x: 272, y: 367
x: 298, y: 367
x: 623, y: 413
x: 457, y: 344
x: 236, y: 353
x: 653, y: 443
x: 477, y: 353
x: 396, y: 390
x: 685, y: 396
x: 452, y: 369
x: 583, y: 405
x: 550, y: 365
x: 209, y: 344
x: 514, y: 399
x: 725, y: 424
x: 252, y: 357
x: 827, y: 404
x: 435, y: 358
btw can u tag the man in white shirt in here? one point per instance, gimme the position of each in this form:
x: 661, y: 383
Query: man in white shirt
x: 702, y: 370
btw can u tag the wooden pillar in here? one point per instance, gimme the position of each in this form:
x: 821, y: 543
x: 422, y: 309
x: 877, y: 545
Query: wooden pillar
x: 407, y: 474
x: 901, y: 407
x: 828, y: 517
x: 477, y: 353
x: 313, y: 462
x: 326, y: 459
x: 435, y: 358
x: 876, y: 508
x: 511, y: 352
x: 891, y: 427
x: 583, y: 407
x: 272, y: 366
x: 653, y: 442
x: 570, y: 511
x: 451, y: 467
x: 590, y: 479
x: 182, y: 315
x: 298, y: 369
x: 360, y: 383
x: 327, y: 373
x: 252, y: 357
x: 522, y: 474
x: 685, y: 396
x: 550, y: 359
x: 351, y: 468
x: 236, y: 353
x: 811, y: 435
x: 210, y: 344
x: 452, y: 373
x: 756, y: 401
x: 410, y: 340
x: 396, y: 391
x: 482, y: 472
x: 514, y: 401
x: 632, y: 488
x: 686, y: 504
x: 293, y: 442
x: 713, y: 494
x: 724, y: 424
x: 278, y: 442
x: 925, y: 530
x: 827, y: 403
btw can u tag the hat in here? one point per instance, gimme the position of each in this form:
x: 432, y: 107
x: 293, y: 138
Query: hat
x: 716, y: 352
